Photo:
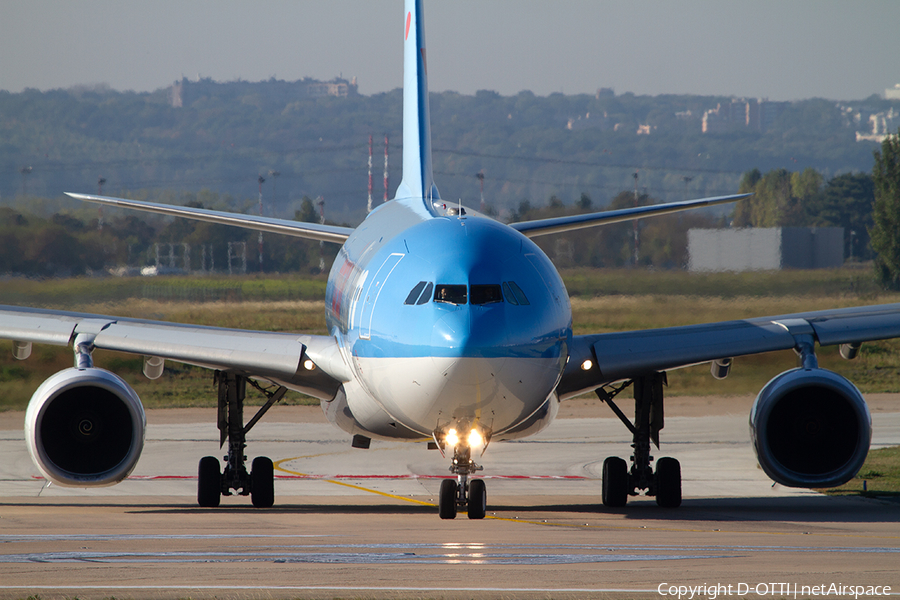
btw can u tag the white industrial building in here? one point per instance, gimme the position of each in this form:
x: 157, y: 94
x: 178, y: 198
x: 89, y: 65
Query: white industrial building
x: 765, y: 248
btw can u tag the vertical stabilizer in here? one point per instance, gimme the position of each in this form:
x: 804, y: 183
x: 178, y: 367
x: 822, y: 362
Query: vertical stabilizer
x: 418, y: 179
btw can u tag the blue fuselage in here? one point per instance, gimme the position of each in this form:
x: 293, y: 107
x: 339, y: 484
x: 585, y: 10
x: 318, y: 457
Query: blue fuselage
x: 447, y: 318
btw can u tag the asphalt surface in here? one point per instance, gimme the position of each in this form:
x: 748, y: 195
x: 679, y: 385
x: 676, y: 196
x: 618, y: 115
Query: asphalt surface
x: 362, y: 523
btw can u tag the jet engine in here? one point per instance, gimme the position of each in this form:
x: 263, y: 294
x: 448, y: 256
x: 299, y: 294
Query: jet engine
x: 810, y: 428
x: 85, y: 428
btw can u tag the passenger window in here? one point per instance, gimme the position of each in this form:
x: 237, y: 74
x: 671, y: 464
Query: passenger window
x: 415, y: 293
x: 426, y: 295
x: 514, y: 293
x: 486, y: 294
x: 453, y: 294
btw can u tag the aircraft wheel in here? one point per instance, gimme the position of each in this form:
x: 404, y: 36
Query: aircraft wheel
x: 447, y: 499
x: 262, y: 482
x: 477, y: 499
x: 668, y: 482
x: 209, y: 482
x: 614, y: 490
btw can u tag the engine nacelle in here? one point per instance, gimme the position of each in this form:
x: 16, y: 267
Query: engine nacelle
x: 85, y: 428
x: 810, y: 428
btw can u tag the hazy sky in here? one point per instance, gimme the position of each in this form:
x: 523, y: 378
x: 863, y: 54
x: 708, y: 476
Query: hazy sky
x: 777, y: 49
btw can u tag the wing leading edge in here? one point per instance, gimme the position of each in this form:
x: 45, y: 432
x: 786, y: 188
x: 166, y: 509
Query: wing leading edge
x: 312, y: 231
x: 280, y: 357
x: 618, y: 356
x: 573, y: 222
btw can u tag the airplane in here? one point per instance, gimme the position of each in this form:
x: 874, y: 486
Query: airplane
x: 448, y: 327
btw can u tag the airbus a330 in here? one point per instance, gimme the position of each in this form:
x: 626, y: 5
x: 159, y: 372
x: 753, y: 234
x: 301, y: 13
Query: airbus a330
x: 451, y: 328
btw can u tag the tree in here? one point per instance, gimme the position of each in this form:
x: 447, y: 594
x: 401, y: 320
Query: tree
x: 779, y: 198
x: 885, y: 232
x: 846, y: 201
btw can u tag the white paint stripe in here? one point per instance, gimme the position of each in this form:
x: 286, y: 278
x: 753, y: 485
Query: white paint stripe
x: 311, y: 588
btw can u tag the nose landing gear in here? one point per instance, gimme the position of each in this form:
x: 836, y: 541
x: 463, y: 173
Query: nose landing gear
x: 464, y: 493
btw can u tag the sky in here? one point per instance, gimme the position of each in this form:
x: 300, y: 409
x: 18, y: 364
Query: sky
x: 775, y: 49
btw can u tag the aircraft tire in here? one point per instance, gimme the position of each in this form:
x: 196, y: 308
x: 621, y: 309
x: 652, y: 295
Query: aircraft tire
x: 447, y: 499
x: 668, y: 482
x: 262, y: 482
x: 614, y: 487
x: 209, y: 482
x: 477, y: 499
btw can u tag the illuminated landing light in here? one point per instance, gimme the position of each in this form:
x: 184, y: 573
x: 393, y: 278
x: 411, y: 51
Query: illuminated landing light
x: 309, y: 365
x: 452, y: 438
x: 587, y: 365
x: 475, y: 439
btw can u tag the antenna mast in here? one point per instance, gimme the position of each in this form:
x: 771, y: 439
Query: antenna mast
x: 385, y: 167
x: 369, y: 204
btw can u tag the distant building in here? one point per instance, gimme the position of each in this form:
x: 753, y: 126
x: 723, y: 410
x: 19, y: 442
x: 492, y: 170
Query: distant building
x: 588, y: 121
x: 892, y: 93
x: 185, y: 92
x: 765, y: 248
x: 880, y: 127
x: 757, y: 115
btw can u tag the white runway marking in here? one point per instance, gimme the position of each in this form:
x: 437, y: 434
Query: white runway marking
x: 326, y: 588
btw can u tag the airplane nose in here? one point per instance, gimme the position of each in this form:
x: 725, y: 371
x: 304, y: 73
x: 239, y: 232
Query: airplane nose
x: 452, y: 331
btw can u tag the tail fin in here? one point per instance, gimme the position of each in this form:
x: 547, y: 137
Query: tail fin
x: 418, y: 177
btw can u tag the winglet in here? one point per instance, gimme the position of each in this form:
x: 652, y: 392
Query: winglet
x: 418, y: 177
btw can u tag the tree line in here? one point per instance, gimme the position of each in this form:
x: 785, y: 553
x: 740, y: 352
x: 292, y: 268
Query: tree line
x: 74, y: 243
x: 521, y: 144
x: 81, y: 241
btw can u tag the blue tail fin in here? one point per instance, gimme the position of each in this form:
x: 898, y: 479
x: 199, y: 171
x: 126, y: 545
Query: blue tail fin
x: 418, y: 178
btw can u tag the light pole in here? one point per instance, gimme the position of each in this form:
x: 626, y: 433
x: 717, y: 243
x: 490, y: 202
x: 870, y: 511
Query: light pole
x: 261, y: 181
x: 480, y: 176
x: 25, y: 171
x: 635, y: 222
x: 100, y: 182
x: 274, y: 175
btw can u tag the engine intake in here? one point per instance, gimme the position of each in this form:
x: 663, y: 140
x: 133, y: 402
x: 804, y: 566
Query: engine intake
x: 85, y: 428
x: 810, y: 428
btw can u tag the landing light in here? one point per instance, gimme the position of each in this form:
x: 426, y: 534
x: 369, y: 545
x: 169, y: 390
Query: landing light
x: 309, y: 365
x: 475, y: 438
x: 452, y: 438
x: 587, y: 365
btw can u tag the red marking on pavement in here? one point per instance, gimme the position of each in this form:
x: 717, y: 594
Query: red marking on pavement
x: 410, y: 476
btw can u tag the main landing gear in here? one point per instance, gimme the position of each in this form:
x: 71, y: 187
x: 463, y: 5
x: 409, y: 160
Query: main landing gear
x: 619, y: 482
x: 259, y: 483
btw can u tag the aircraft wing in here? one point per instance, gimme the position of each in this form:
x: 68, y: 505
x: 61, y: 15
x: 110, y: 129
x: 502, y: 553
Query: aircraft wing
x: 279, y: 357
x: 312, y: 231
x: 573, y: 222
x: 623, y: 355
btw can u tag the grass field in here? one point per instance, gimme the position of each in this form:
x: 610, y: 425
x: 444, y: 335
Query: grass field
x: 879, y: 477
x: 601, y: 301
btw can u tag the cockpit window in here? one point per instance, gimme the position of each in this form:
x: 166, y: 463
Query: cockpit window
x: 486, y: 294
x: 415, y: 293
x: 453, y: 294
x: 426, y: 295
x: 514, y: 294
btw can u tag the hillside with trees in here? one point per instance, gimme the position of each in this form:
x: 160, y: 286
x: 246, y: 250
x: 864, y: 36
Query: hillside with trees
x: 527, y: 147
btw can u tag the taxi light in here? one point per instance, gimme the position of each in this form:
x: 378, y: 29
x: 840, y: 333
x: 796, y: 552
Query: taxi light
x: 587, y: 365
x: 309, y: 365
x: 452, y: 438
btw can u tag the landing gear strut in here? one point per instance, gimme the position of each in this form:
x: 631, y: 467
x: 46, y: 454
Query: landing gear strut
x: 619, y: 482
x: 463, y: 493
x: 259, y: 483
